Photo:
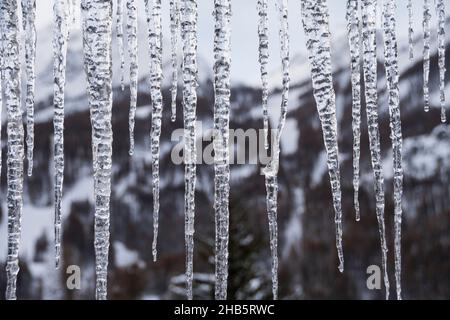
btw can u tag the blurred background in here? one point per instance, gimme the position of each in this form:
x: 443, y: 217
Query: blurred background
x: 308, y: 261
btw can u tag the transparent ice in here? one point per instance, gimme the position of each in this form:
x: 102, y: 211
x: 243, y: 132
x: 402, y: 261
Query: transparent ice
x: 316, y: 25
x: 369, y: 13
x: 222, y: 93
x: 97, y: 38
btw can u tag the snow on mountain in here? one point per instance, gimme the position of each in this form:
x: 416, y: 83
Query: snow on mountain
x: 75, y: 93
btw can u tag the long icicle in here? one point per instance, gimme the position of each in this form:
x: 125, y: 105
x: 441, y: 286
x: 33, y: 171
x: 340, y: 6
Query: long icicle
x: 120, y: 42
x: 174, y: 32
x: 222, y: 93
x: 263, y: 33
x: 97, y: 39
x: 392, y: 77
x: 353, y: 29
x: 369, y: 13
x: 60, y: 41
x: 155, y: 45
x: 440, y: 13
x: 10, y: 27
x: 132, y: 26
x: 29, y: 17
x: 1, y: 93
x: 426, y: 53
x: 316, y: 25
x: 271, y: 171
x: 410, y: 30
x: 189, y: 16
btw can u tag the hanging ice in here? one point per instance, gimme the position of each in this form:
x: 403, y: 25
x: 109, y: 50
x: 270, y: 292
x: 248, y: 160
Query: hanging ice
x: 410, y: 30
x: 426, y: 52
x: 155, y: 45
x: 29, y: 16
x: 369, y: 13
x: 316, y: 26
x: 60, y: 40
x: 133, y: 53
x: 119, y: 31
x: 353, y: 25
x: 73, y: 5
x: 189, y: 16
x: 392, y: 77
x: 1, y: 92
x: 222, y: 92
x: 174, y: 31
x: 440, y: 13
x: 10, y: 33
x: 271, y: 171
x: 97, y: 38
x: 263, y: 32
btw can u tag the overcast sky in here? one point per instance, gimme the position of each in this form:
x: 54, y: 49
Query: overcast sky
x: 244, y: 24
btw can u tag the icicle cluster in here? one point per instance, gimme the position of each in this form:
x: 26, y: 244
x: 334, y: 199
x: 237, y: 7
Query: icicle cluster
x: 97, y: 38
x: 120, y: 43
x: 155, y: 45
x: 316, y: 26
x: 440, y: 12
x: 222, y: 93
x: 174, y: 32
x: 263, y: 33
x: 369, y: 13
x: 60, y: 42
x: 392, y: 77
x: 189, y: 16
x: 426, y: 52
x: 10, y: 33
x: 353, y: 25
x: 29, y: 17
x: 132, y: 26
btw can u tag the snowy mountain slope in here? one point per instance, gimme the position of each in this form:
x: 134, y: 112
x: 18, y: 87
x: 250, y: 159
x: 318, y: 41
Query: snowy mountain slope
x: 75, y: 93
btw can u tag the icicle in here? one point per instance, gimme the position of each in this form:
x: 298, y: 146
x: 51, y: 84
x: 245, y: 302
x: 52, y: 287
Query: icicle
x: 189, y: 15
x: 174, y: 29
x: 263, y: 32
x: 392, y: 76
x: 97, y: 38
x: 271, y: 171
x: 1, y: 94
x: 155, y: 45
x: 410, y: 30
x: 29, y: 15
x: 10, y: 31
x: 222, y: 92
x: 73, y: 5
x: 440, y: 13
x: 133, y: 52
x: 60, y: 37
x: 316, y: 26
x: 369, y: 13
x: 426, y: 53
x: 353, y: 24
x: 119, y: 31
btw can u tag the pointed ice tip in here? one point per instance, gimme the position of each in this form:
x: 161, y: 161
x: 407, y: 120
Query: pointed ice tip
x: 131, y: 152
x: 341, y: 267
x: 155, y: 255
x: 173, y: 118
x: 358, y: 218
x: 30, y: 171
